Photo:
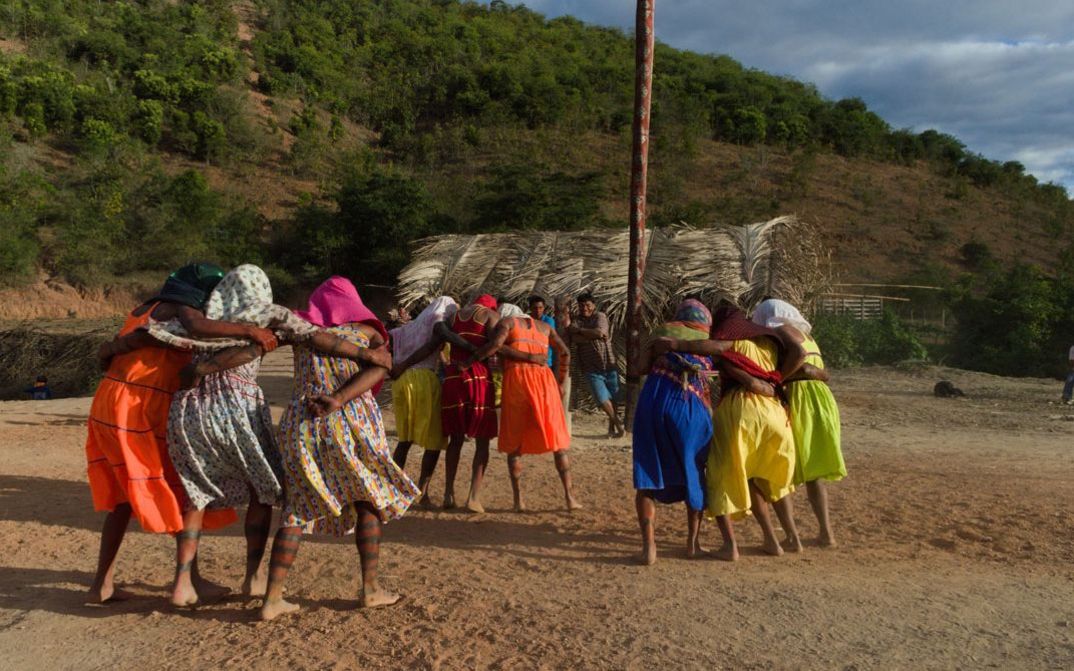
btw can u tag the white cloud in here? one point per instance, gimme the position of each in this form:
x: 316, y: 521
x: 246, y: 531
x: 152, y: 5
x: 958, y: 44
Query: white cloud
x: 998, y: 75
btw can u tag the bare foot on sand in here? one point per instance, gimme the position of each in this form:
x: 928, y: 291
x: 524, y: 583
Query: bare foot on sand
x: 520, y: 507
x: 696, y: 551
x: 727, y: 552
x: 272, y: 609
x: 827, y: 540
x: 425, y: 503
x: 256, y: 584
x: 474, y: 505
x: 793, y: 544
x: 184, y: 596
x: 378, y: 599
x: 449, y: 501
x: 772, y: 547
x: 572, y: 504
x: 647, y: 556
x: 102, y: 596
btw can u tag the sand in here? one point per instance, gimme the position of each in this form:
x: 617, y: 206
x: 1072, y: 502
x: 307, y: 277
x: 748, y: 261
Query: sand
x: 956, y: 545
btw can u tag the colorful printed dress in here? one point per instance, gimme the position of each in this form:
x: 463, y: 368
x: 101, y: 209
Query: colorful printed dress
x: 332, y: 462
x: 467, y: 398
x: 673, y: 427
x: 815, y: 421
x: 752, y: 439
x: 126, y: 450
x: 532, y: 419
x: 221, y: 437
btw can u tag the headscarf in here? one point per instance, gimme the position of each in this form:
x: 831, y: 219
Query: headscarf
x: 511, y: 310
x: 774, y: 313
x: 190, y: 285
x: 337, y: 302
x: 692, y: 313
x: 410, y: 337
x: 244, y: 296
x: 486, y: 300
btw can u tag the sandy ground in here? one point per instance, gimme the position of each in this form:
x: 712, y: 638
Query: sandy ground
x: 956, y: 546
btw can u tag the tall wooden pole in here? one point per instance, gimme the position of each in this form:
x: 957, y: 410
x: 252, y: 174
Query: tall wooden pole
x: 639, y: 175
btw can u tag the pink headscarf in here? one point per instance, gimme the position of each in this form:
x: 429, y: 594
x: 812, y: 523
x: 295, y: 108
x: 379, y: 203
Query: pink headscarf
x: 337, y: 302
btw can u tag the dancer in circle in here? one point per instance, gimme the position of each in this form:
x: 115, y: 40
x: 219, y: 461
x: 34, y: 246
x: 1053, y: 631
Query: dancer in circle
x: 814, y: 413
x: 128, y: 467
x: 673, y: 427
x: 532, y: 418
x: 416, y: 389
x: 339, y: 476
x: 221, y: 437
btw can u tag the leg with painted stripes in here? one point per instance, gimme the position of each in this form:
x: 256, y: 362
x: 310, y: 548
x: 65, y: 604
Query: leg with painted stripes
x: 258, y: 521
x: 284, y: 549
x: 186, y: 551
x: 367, y: 537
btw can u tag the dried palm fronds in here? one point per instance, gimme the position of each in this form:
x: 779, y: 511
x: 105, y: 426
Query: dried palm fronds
x: 782, y: 257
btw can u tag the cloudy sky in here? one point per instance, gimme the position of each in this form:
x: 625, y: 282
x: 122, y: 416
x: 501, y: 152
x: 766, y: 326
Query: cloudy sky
x: 997, y: 74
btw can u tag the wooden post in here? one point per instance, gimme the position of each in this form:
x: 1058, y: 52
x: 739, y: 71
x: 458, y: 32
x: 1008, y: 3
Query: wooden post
x: 639, y: 175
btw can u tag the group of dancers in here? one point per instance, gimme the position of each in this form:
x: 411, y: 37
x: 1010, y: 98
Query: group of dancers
x: 180, y: 433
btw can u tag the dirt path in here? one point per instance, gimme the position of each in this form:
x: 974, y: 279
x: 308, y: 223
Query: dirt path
x: 955, y: 553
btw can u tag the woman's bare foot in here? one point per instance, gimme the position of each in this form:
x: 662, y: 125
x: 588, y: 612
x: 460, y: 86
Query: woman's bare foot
x: 100, y: 596
x: 772, y: 547
x: 184, y: 596
x: 648, y: 555
x: 793, y: 544
x: 378, y: 599
x: 473, y: 504
x: 256, y: 584
x: 520, y: 506
x: 449, y: 501
x: 572, y: 503
x: 695, y: 551
x: 274, y: 608
x: 827, y: 540
x: 727, y: 552
x: 425, y: 503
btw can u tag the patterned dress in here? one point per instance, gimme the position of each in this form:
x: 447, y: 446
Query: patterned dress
x: 332, y: 462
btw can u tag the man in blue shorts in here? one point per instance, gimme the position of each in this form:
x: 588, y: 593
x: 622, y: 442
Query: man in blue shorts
x: 590, y: 335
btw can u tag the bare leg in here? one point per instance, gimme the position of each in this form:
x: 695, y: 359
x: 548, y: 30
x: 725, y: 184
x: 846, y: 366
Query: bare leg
x: 760, y: 511
x: 646, y: 508
x: 454, y: 452
x: 103, y: 589
x: 514, y: 469
x: 615, y: 427
x: 729, y: 550
x: 258, y: 521
x: 818, y: 498
x: 477, y: 475
x: 401, y: 452
x: 368, y: 540
x: 563, y: 465
x: 785, y: 511
x: 186, y: 550
x: 693, y: 534
x: 428, y: 467
x: 284, y: 549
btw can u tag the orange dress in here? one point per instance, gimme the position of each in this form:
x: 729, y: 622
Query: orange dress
x: 531, y: 415
x: 126, y: 450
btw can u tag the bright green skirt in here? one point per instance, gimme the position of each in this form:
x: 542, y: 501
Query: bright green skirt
x: 815, y: 423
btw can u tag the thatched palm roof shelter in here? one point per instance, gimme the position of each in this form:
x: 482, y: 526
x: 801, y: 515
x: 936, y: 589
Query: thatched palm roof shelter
x: 781, y: 257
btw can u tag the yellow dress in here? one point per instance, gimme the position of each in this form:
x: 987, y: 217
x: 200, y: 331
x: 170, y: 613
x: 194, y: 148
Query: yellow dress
x: 416, y: 399
x: 752, y: 439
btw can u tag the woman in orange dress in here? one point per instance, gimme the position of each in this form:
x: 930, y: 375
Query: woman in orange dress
x: 532, y: 419
x: 127, y: 458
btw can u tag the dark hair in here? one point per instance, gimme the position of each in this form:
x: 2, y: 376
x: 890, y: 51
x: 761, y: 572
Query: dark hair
x: 42, y: 378
x: 586, y: 298
x: 536, y: 299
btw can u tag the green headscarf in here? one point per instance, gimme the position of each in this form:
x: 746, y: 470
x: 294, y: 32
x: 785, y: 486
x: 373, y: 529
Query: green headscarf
x: 191, y: 285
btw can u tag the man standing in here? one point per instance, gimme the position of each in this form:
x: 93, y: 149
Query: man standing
x: 1068, y: 388
x: 539, y: 311
x: 590, y: 334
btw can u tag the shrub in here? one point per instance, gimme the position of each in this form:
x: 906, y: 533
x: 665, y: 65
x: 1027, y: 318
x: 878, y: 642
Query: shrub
x: 846, y: 341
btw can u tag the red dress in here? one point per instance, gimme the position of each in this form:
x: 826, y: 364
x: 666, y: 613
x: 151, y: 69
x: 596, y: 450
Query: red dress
x: 467, y: 397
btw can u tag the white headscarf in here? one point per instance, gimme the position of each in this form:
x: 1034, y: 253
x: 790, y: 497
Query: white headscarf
x: 511, y: 310
x: 410, y: 337
x: 774, y: 313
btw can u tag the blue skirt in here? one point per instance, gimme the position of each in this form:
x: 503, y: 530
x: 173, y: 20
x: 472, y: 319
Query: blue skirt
x: 672, y: 433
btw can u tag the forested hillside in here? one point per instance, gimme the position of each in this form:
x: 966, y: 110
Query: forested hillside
x: 316, y: 136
